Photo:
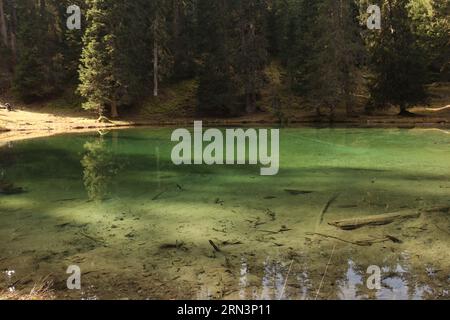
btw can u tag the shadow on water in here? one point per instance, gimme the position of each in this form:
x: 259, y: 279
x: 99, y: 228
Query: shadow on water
x: 116, y: 205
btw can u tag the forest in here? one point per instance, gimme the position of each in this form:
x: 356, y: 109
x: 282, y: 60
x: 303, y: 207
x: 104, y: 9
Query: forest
x: 238, y: 57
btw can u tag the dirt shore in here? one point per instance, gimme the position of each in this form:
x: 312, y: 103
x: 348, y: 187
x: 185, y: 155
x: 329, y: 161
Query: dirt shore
x: 25, y: 124
x: 63, y: 116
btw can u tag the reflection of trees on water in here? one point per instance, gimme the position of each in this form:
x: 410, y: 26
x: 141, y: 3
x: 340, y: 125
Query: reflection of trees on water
x: 347, y: 281
x: 99, y: 167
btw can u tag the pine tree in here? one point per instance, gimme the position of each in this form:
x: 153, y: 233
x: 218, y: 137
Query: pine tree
x: 112, y: 71
x: 70, y: 42
x: 278, y: 17
x: 162, y: 58
x: 218, y: 92
x: 99, y: 85
x: 333, y: 73
x: 30, y: 78
x: 3, y: 26
x: 298, y: 43
x: 439, y: 41
x: 42, y: 61
x: 251, y: 56
x: 397, y: 62
x: 182, y: 39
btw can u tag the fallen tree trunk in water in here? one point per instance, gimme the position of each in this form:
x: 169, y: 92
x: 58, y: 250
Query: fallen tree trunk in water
x: 327, y: 206
x: 441, y: 209
x: 10, y: 189
x: 362, y: 242
x: 376, y: 220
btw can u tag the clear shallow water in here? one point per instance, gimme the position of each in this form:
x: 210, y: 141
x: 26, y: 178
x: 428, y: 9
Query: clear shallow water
x: 139, y: 227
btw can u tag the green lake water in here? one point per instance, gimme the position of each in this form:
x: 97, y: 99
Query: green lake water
x: 140, y: 227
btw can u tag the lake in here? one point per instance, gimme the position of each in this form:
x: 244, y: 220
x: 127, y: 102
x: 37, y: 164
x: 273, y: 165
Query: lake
x: 140, y: 227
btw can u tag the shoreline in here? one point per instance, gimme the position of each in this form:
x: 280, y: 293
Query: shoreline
x: 47, y: 119
x: 36, y: 130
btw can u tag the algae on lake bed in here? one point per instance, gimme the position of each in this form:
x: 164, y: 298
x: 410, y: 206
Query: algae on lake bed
x: 140, y: 227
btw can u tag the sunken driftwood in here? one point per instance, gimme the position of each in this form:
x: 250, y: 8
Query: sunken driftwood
x: 178, y: 245
x: 294, y: 192
x: 216, y: 248
x: 93, y: 239
x: 441, y: 209
x: 327, y: 206
x: 362, y: 242
x: 10, y: 189
x: 376, y: 220
x: 156, y: 197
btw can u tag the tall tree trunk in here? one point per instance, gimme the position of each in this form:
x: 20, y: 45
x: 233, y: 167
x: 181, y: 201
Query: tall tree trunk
x: 348, y: 97
x: 13, y: 44
x: 349, y: 109
x: 155, y: 68
x: 176, y: 18
x: 114, y: 112
x: 332, y: 112
x: 42, y: 6
x: 3, y: 27
x: 404, y: 111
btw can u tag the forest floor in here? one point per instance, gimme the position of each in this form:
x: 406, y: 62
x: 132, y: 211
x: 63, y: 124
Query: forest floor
x: 176, y: 106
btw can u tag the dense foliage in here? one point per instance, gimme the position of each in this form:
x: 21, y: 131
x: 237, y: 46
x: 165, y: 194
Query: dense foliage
x: 128, y: 50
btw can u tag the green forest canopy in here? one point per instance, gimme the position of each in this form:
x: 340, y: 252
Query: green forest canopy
x: 127, y: 50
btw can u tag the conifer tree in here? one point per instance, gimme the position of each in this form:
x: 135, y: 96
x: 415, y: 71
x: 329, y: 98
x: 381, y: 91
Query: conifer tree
x: 298, y: 43
x: 218, y: 92
x: 397, y: 61
x: 30, y: 78
x: 3, y: 26
x: 113, y: 72
x: 183, y: 39
x: 251, y: 55
x: 333, y: 73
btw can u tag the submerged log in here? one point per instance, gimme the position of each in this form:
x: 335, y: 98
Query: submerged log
x: 10, y: 189
x: 442, y: 209
x: 361, y: 242
x: 376, y: 220
x: 216, y: 248
x: 327, y: 206
x: 294, y: 192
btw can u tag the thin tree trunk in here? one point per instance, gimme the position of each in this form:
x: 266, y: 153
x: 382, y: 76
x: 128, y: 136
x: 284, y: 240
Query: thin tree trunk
x: 348, y: 100
x: 114, y: 112
x: 155, y: 69
x: 3, y: 27
x: 13, y: 45
x: 42, y: 7
x: 248, y: 103
x: 404, y: 111
x: 176, y: 18
x: 349, y: 109
x: 332, y: 112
